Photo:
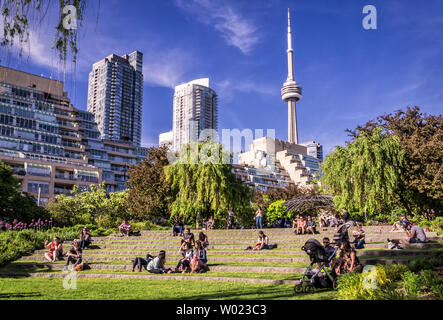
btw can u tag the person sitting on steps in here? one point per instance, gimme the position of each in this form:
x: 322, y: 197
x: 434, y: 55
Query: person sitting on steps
x: 400, y: 226
x: 157, y: 265
x: 415, y: 234
x: 55, y: 249
x: 310, y: 226
x: 301, y: 225
x: 199, y: 261
x: 74, y: 255
x: 124, y: 228
x: 141, y: 263
x: 347, y: 260
x: 203, y: 239
x: 359, y: 236
x: 185, y: 262
x: 262, y: 241
x: 85, y: 238
x: 188, y: 237
x: 177, y: 229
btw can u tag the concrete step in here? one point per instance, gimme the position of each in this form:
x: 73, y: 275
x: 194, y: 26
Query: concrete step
x: 128, y: 266
x: 151, y: 277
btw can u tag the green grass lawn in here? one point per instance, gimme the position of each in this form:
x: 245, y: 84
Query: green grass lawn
x: 121, y: 289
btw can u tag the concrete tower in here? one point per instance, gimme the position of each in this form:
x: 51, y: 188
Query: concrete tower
x: 291, y: 91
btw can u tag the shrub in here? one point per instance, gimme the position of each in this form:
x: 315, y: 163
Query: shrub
x: 276, y: 211
x: 411, y: 284
x: 419, y: 264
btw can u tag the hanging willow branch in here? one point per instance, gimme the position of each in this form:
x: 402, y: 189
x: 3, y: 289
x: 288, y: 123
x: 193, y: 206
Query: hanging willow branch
x: 17, y: 15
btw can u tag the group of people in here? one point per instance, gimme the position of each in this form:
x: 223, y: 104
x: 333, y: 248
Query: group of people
x: 193, y: 261
x: 304, y: 226
x: 74, y: 254
x: 331, y: 220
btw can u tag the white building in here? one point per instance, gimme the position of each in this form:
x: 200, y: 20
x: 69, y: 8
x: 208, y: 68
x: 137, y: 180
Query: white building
x: 165, y: 138
x: 315, y: 149
x: 194, y: 112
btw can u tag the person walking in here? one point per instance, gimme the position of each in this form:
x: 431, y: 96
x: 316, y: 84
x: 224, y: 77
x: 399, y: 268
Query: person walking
x: 259, y: 218
x: 231, y: 215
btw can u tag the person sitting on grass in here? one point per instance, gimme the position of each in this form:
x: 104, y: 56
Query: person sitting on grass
x: 124, y: 228
x: 157, y: 265
x: 85, y: 238
x: 141, y: 262
x: 400, y: 226
x: 74, y: 255
x: 203, y: 239
x: 359, y: 237
x: 301, y: 225
x: 347, y: 260
x: 262, y: 241
x: 55, y: 249
x: 333, y: 221
x: 415, y: 234
x: 188, y: 237
x: 310, y: 226
x: 199, y: 261
x: 185, y: 262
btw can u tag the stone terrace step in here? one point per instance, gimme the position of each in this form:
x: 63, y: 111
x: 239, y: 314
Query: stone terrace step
x: 252, y: 236
x: 244, y: 241
x: 151, y: 277
x: 252, y: 252
x: 213, y: 268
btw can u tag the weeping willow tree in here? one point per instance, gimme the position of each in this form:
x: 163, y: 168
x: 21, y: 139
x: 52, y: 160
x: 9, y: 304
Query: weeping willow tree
x: 19, y: 16
x: 364, y: 174
x: 204, y: 185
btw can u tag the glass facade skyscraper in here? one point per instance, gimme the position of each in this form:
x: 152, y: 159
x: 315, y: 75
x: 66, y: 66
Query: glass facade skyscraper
x: 115, y: 97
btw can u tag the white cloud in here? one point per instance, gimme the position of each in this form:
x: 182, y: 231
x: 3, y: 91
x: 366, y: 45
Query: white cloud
x: 233, y: 27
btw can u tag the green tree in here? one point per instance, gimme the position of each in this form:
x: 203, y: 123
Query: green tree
x: 149, y: 193
x: 365, y: 173
x: 89, y: 207
x: 276, y: 211
x: 14, y: 205
x: 203, y: 183
x: 421, y: 138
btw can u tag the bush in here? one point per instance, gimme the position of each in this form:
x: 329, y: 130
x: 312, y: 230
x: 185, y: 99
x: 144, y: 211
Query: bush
x: 411, y: 284
x: 419, y: 264
x: 15, y: 244
x: 276, y: 211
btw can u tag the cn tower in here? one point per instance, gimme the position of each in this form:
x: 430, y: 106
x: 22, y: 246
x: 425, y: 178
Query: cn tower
x: 291, y: 91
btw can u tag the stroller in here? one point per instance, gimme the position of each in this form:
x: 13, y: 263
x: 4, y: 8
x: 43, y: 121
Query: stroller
x: 316, y: 277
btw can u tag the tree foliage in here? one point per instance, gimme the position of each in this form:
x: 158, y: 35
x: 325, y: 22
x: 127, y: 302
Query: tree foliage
x: 149, y: 193
x: 276, y: 211
x: 14, y: 205
x: 365, y: 173
x: 94, y: 207
x: 421, y: 138
x: 19, y: 15
x: 203, y: 183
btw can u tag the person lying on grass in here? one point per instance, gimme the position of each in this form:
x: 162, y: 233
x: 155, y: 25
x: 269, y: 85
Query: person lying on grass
x: 157, y: 265
x: 262, y: 241
x: 185, y: 262
x: 74, y: 255
x: 124, y: 228
x: 55, y: 249
x: 199, y: 261
x: 141, y: 263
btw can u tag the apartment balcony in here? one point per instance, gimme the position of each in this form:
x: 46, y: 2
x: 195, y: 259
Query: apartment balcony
x: 65, y: 176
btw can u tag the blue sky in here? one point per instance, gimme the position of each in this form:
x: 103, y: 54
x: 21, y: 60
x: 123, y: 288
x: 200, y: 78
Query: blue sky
x: 349, y: 75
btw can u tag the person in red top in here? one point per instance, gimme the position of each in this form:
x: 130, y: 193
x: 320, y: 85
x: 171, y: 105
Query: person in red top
x: 55, y: 249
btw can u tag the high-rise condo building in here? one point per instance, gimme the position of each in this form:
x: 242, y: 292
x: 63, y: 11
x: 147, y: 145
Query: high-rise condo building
x: 115, y: 97
x: 194, y: 113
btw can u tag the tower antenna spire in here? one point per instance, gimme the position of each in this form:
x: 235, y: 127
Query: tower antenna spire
x: 291, y: 91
